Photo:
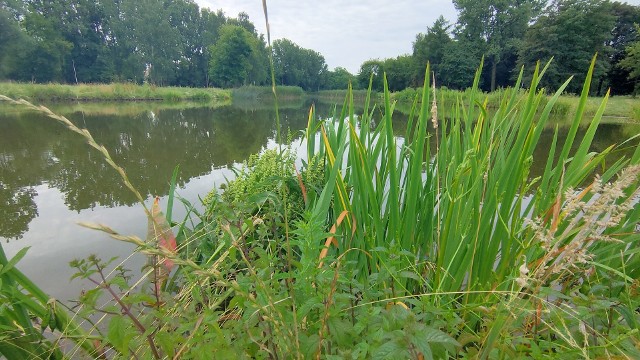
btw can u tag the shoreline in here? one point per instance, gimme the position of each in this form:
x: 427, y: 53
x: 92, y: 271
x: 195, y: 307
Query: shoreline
x: 54, y: 92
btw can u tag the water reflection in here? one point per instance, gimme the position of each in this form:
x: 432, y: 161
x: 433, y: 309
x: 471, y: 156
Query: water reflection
x: 148, y: 144
x: 35, y: 150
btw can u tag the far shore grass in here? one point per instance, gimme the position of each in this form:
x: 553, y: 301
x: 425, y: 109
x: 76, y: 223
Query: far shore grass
x: 110, y: 92
x: 620, y: 109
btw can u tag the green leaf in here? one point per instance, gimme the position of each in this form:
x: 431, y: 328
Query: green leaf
x: 409, y: 275
x: 167, y: 343
x: 14, y: 260
x: 390, y: 350
x: 119, y: 335
x: 432, y: 335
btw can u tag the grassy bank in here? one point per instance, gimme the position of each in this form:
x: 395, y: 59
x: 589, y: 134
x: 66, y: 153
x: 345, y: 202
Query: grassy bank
x: 338, y: 96
x: 117, y: 108
x: 265, y: 93
x: 620, y: 109
x: 108, y: 92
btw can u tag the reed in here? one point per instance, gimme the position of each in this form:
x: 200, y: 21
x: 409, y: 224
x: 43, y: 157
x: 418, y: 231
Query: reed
x: 108, y: 92
x: 456, y: 224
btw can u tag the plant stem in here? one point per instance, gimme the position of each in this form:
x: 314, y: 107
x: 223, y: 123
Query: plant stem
x: 105, y: 285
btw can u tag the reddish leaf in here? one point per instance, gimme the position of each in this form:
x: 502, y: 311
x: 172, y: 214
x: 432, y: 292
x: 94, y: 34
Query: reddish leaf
x: 160, y: 232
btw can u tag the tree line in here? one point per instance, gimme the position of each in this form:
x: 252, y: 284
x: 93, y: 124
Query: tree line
x: 175, y: 42
x: 511, y: 34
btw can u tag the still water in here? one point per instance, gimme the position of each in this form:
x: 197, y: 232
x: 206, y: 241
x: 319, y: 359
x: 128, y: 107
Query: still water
x: 50, y: 179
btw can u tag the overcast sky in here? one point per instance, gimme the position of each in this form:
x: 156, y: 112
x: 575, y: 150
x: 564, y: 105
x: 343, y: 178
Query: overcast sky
x: 345, y: 32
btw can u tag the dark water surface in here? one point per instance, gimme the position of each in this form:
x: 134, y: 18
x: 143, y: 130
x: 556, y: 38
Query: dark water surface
x: 50, y: 179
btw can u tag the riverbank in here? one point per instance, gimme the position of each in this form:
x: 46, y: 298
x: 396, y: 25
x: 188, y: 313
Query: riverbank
x: 619, y: 110
x: 110, y: 92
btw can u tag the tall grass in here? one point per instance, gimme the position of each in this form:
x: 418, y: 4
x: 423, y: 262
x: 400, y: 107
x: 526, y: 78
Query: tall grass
x: 26, y: 312
x: 112, y: 92
x: 620, y: 109
x: 455, y: 226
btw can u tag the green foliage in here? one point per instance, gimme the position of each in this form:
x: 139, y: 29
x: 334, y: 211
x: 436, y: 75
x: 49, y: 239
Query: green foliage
x: 339, y: 79
x: 431, y: 48
x: 80, y: 41
x: 13, y: 44
x: 495, y: 29
x: 460, y: 223
x: 570, y: 32
x: 623, y: 35
x: 371, y: 70
x: 30, y: 320
x: 458, y: 65
x: 435, y: 245
x: 632, y: 62
x: 231, y: 57
x: 399, y: 72
x: 296, y: 66
x: 116, y: 91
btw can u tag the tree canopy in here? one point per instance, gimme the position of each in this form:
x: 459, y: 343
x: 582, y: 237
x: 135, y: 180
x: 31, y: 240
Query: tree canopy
x: 298, y: 66
x: 570, y: 32
x: 175, y: 42
x: 631, y: 62
x: 236, y: 58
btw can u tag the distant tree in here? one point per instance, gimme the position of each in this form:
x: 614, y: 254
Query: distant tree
x: 166, y: 42
x: 231, y: 56
x: 298, y: 66
x: 631, y: 63
x: 86, y: 30
x: 260, y: 73
x: 47, y: 60
x: 369, y: 69
x: 399, y: 72
x: 571, y: 31
x: 13, y: 44
x: 184, y: 16
x: 243, y: 21
x: 459, y: 65
x: 494, y: 28
x: 339, y: 79
x: 431, y: 48
x: 623, y: 34
x: 210, y: 24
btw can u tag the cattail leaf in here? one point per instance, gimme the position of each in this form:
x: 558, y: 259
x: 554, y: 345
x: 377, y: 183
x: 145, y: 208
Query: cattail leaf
x: 13, y: 261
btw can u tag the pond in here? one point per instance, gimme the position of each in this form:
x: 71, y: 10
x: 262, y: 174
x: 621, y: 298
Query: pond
x: 50, y: 179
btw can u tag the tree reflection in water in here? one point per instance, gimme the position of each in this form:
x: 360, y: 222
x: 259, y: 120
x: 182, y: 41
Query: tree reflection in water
x: 148, y: 144
x: 35, y: 150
